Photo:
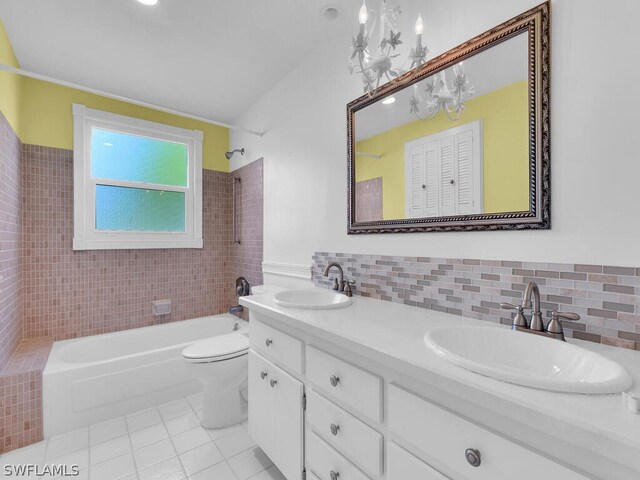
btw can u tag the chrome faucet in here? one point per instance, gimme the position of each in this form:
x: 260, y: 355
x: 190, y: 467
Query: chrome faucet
x: 340, y: 285
x: 554, y: 327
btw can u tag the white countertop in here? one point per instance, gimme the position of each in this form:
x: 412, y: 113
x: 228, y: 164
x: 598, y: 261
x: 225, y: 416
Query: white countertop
x: 594, y: 432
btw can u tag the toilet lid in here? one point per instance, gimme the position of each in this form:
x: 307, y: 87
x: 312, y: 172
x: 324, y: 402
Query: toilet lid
x: 219, y: 346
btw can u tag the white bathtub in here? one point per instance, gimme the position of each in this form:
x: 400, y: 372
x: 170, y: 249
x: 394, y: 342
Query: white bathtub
x: 91, y: 379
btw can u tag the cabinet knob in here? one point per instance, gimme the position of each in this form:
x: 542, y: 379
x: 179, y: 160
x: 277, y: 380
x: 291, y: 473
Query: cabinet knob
x: 273, y: 383
x: 263, y: 375
x: 334, y: 475
x: 334, y: 380
x: 473, y: 457
x: 268, y: 342
x: 334, y: 429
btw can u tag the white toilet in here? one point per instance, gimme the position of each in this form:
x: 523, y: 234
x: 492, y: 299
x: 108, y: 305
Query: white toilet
x: 221, y: 364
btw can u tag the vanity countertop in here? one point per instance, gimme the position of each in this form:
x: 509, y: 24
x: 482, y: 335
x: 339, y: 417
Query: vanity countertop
x: 591, y: 432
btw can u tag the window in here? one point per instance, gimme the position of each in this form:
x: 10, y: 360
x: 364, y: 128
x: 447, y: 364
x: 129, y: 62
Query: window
x: 137, y: 184
x: 443, y: 173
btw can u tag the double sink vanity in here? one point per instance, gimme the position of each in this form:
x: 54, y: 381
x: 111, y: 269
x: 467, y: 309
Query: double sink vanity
x: 361, y: 389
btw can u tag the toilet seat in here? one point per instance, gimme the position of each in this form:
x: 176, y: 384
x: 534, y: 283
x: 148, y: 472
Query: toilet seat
x: 217, y: 349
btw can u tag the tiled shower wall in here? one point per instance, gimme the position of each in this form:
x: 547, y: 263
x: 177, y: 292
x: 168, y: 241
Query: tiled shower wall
x: 606, y: 297
x: 246, y: 256
x: 10, y: 243
x: 71, y: 294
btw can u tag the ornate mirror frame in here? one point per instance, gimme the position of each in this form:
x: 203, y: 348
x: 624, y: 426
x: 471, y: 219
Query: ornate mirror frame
x: 537, y: 23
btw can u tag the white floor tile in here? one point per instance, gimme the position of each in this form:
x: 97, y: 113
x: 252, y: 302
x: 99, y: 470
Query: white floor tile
x: 82, y: 475
x: 200, y: 458
x: 31, y: 454
x: 220, y: 471
x: 154, y: 453
x: 190, y: 439
x: 79, y: 458
x: 249, y: 463
x: 183, y: 423
x: 145, y: 418
x: 67, y: 443
x: 113, y: 469
x: 235, y: 443
x: 271, y: 473
x: 110, y: 449
x: 216, y: 433
x: 149, y: 435
x: 175, y: 409
x: 101, y: 432
x: 196, y: 400
x: 168, y: 470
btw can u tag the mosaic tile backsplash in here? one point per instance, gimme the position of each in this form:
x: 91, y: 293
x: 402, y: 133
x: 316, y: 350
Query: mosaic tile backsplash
x: 606, y: 297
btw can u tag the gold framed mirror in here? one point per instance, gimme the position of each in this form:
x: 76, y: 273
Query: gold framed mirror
x: 462, y: 142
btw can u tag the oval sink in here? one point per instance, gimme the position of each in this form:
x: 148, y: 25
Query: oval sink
x: 311, y: 299
x: 527, y: 359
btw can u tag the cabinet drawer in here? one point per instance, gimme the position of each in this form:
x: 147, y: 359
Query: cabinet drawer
x: 282, y: 348
x: 401, y: 465
x: 444, y: 437
x: 322, y: 460
x: 357, y: 388
x: 354, y: 439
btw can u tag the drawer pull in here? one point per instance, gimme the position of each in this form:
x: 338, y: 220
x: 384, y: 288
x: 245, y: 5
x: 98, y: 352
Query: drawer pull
x: 473, y: 457
x: 334, y: 429
x: 263, y: 375
x: 334, y: 475
x: 334, y: 380
x: 268, y: 342
x: 273, y: 383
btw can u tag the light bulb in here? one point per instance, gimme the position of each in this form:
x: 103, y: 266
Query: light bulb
x: 148, y: 2
x: 389, y: 100
x: 364, y: 13
x: 419, y: 25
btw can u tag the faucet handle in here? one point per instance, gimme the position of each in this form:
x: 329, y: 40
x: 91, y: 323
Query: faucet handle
x: 555, y: 326
x: 519, y: 320
x: 511, y: 306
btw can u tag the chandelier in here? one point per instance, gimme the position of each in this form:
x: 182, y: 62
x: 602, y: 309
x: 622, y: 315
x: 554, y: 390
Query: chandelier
x: 379, y: 67
x: 440, y: 96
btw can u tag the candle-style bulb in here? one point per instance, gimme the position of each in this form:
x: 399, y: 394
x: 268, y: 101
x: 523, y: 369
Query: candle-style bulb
x: 364, y: 13
x: 419, y: 25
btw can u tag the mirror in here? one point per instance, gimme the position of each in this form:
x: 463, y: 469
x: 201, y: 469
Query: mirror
x: 460, y: 144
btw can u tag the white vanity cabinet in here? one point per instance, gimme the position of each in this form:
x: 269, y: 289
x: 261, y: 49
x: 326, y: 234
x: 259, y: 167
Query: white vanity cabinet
x: 360, y: 424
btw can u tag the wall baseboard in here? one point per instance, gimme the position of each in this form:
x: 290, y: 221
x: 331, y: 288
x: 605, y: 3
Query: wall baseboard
x: 287, y: 270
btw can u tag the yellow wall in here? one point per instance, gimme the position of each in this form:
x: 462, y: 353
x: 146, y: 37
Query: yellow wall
x: 506, y: 161
x: 9, y: 83
x: 40, y: 112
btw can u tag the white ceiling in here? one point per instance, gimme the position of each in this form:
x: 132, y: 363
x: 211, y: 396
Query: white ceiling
x: 211, y: 58
x: 489, y: 70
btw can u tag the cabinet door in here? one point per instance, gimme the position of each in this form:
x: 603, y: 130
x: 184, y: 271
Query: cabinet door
x: 261, y: 419
x: 276, y: 415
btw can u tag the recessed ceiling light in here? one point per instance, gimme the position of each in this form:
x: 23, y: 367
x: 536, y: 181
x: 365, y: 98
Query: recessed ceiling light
x: 388, y: 101
x: 148, y: 2
x: 330, y: 12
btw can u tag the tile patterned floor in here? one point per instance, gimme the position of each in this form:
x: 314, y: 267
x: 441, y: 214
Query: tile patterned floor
x: 161, y: 443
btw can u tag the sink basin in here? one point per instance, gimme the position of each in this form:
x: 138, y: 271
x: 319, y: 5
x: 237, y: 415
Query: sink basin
x: 312, y: 299
x: 529, y: 360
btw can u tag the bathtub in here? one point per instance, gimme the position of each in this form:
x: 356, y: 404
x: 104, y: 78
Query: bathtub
x: 92, y: 379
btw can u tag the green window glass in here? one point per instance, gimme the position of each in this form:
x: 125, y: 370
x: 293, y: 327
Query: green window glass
x: 134, y: 158
x: 137, y: 209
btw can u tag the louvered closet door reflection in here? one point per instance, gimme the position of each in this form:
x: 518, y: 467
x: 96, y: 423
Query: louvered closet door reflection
x: 416, y: 182
x: 464, y: 173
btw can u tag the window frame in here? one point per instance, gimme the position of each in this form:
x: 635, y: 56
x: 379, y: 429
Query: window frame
x: 86, y: 237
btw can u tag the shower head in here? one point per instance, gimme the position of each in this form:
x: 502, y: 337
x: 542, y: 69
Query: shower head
x: 230, y: 154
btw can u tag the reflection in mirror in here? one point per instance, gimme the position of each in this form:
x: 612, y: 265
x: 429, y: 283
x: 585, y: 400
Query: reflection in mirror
x: 455, y: 143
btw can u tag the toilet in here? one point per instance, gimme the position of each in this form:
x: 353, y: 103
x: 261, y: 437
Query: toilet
x: 221, y: 364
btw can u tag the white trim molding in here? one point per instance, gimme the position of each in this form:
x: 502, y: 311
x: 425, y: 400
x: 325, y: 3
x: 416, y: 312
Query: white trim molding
x: 287, y: 270
x: 86, y: 236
